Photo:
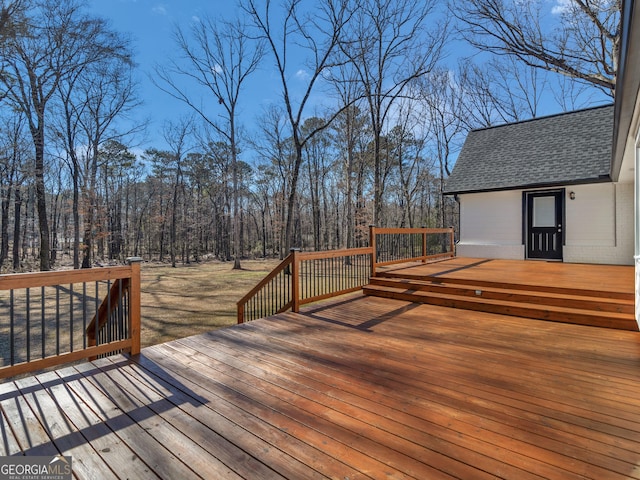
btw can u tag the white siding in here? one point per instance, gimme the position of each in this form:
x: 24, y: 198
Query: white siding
x: 599, y: 225
x: 590, y: 218
x: 491, y: 225
x: 631, y: 167
x: 598, y: 228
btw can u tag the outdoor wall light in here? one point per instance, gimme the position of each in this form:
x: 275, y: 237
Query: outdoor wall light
x: 572, y: 195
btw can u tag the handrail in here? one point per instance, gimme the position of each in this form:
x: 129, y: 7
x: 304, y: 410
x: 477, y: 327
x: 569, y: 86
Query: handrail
x: 122, y: 290
x: 404, y: 245
x: 332, y: 273
x: 306, y: 277
x: 119, y: 288
x: 334, y: 253
x: 282, y: 268
x: 46, y: 316
x: 111, y: 305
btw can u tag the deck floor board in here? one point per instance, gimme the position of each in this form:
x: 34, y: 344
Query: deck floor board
x: 360, y: 388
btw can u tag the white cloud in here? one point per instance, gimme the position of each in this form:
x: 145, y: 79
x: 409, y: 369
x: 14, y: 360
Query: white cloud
x: 159, y: 9
x: 562, y: 6
x: 302, y: 74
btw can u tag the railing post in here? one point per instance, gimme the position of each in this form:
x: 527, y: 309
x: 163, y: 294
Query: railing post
x: 451, y: 241
x: 295, y: 279
x: 424, y: 244
x: 372, y: 244
x: 135, y: 304
x: 240, y: 313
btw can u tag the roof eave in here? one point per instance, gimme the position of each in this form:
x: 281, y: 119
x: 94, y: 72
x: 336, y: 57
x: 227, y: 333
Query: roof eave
x: 628, y: 84
x: 586, y: 181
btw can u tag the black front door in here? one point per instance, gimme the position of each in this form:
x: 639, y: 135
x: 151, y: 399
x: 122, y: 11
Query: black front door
x: 544, y: 225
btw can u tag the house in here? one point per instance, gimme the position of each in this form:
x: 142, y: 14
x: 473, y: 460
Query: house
x: 563, y: 187
x: 544, y: 189
x: 625, y: 163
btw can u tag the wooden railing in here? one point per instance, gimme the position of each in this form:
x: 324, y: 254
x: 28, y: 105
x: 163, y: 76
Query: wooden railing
x: 324, y: 275
x: 305, y: 277
x: 271, y: 295
x: 51, y: 318
x: 401, y: 245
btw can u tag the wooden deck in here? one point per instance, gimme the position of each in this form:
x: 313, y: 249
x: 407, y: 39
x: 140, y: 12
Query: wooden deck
x: 593, y: 295
x: 362, y: 388
x: 606, y: 279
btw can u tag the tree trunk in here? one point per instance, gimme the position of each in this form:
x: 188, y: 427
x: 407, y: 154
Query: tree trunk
x: 174, y: 219
x: 17, y: 212
x: 55, y: 220
x: 6, y: 202
x: 292, y: 198
x: 237, y: 241
x: 41, y: 199
x: 76, y: 215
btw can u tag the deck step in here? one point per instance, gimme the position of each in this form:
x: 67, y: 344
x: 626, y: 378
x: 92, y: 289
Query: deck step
x: 570, y: 300
x: 567, y: 308
x: 486, y: 284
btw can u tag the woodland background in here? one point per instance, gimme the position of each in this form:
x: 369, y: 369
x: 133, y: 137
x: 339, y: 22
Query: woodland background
x: 396, y: 104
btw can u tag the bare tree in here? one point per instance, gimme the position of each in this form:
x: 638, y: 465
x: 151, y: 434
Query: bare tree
x: 501, y: 91
x: 14, y: 154
x: 349, y: 128
x: 391, y: 44
x: 12, y: 23
x: 318, y: 165
x: 219, y: 57
x: 9, y: 10
x: 60, y: 40
x: 92, y: 99
x: 582, y: 42
x: 178, y: 136
x: 275, y: 148
x: 407, y: 144
x: 445, y: 110
x: 316, y: 31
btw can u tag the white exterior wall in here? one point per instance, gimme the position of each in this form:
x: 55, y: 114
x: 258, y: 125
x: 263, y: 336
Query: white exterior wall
x: 599, y: 224
x: 491, y: 225
x: 635, y: 158
x: 631, y: 163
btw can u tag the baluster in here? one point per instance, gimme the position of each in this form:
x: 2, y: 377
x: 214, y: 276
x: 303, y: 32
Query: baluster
x: 57, y: 320
x: 120, y: 310
x: 12, y: 327
x: 28, y: 324
x: 84, y: 314
x: 42, y: 323
x: 97, y: 303
x: 71, y: 330
x: 109, y: 322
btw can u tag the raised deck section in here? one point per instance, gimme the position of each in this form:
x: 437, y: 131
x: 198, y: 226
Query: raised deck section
x: 362, y: 388
x: 594, y: 295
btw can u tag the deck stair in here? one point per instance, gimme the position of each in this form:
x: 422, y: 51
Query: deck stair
x: 544, y: 302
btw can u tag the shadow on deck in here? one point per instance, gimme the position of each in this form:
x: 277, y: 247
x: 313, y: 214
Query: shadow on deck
x: 594, y: 295
x: 360, y: 388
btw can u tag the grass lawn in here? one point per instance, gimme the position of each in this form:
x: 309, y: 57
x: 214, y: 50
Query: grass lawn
x: 191, y: 299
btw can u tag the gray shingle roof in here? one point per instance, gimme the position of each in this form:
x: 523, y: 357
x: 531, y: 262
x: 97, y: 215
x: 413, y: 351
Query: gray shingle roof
x: 569, y: 148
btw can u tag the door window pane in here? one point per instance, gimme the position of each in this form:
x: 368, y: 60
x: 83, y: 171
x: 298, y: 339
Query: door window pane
x: 544, y: 211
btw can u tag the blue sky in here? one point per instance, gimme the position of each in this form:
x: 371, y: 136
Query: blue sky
x: 151, y: 24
